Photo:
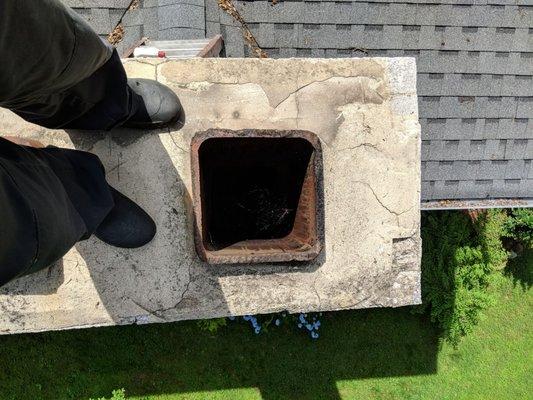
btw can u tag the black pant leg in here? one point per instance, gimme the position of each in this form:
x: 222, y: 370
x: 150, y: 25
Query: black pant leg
x: 102, y: 101
x: 18, y: 229
x: 49, y: 199
x: 45, y: 49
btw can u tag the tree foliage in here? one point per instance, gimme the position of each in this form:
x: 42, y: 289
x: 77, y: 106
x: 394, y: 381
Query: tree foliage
x: 519, y: 225
x: 458, y: 259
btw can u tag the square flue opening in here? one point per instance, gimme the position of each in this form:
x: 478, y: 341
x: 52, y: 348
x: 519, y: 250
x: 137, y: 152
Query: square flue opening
x: 251, y: 187
x: 256, y: 195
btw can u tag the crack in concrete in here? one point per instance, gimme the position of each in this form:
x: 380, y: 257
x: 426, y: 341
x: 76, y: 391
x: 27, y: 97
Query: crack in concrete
x: 157, y: 67
x: 396, y: 213
x: 315, y: 289
x: 121, y: 163
x: 158, y: 313
x: 187, y: 286
x: 362, y: 145
x: 160, y: 61
x: 296, y: 99
x: 358, y: 302
x: 174, y: 141
x: 188, y: 86
x: 359, y: 79
x: 154, y: 313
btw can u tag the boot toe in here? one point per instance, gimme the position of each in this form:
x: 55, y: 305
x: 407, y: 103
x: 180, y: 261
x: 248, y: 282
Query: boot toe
x: 169, y: 108
x: 127, y: 225
x: 159, y: 106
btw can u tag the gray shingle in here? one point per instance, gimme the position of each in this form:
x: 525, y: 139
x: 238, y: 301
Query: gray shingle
x: 475, y: 107
x: 150, y: 22
x: 529, y: 149
x: 453, y: 2
x: 181, y: 16
x: 475, y: 170
x: 480, y: 188
x: 476, y: 149
x: 92, y: 3
x: 528, y: 169
x: 518, y: 149
x: 87, y: 4
x: 384, y: 14
x: 100, y: 20
x: 200, y: 3
x: 133, y: 17
x: 480, y: 62
x: 232, y: 41
x: 212, y: 11
x: 492, y: 85
x: 212, y: 28
x: 509, y: 188
x: 447, y: 189
x: 526, y: 188
x: 182, y: 33
x: 372, y: 36
x: 427, y: 189
x: 133, y: 34
x: 118, y: 4
x: 477, y: 62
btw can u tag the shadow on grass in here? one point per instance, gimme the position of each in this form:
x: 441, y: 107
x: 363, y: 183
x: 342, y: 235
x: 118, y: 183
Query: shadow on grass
x: 520, y: 269
x: 179, y: 358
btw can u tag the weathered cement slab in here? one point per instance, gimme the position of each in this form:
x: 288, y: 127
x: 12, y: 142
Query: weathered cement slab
x: 365, y: 113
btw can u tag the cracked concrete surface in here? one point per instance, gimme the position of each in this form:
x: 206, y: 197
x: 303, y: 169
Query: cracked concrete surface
x: 365, y: 113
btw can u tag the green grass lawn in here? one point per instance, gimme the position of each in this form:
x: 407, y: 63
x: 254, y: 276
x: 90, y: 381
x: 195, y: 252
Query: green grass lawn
x: 367, y: 354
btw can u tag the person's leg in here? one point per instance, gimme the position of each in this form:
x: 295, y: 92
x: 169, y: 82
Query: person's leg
x: 51, y: 198
x: 45, y: 48
x: 39, y: 221
x: 58, y: 73
x: 100, y: 101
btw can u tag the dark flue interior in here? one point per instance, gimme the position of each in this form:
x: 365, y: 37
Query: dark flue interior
x: 250, y: 187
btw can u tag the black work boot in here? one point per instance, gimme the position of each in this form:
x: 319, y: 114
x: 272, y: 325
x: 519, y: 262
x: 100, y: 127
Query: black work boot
x: 159, y: 107
x: 127, y: 225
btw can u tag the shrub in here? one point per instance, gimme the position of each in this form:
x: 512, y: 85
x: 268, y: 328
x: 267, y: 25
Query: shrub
x: 458, y: 259
x: 307, y: 322
x: 490, y: 228
x: 119, y: 394
x: 211, y: 325
x: 519, y: 226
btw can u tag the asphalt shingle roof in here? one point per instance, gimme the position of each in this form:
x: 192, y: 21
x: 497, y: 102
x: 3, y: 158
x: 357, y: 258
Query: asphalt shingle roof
x: 474, y: 60
x: 155, y: 19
